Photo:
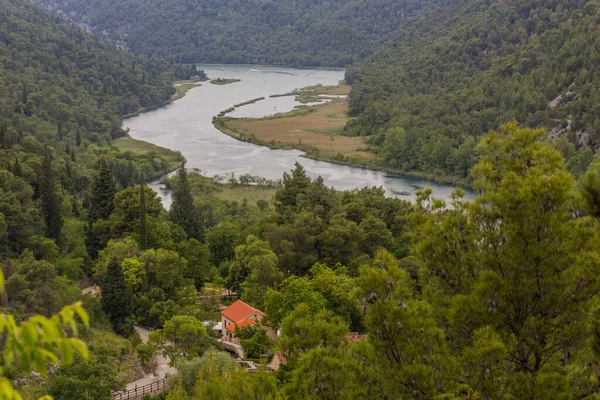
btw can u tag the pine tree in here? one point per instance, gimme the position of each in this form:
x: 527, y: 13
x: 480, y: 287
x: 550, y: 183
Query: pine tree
x: 183, y: 212
x: 143, y: 227
x: 102, y: 204
x: 117, y: 299
x: 51, y: 201
x: 17, y: 171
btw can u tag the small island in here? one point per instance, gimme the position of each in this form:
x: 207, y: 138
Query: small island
x: 223, y: 81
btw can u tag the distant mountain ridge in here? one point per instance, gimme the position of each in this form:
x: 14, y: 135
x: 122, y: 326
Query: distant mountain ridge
x: 333, y: 33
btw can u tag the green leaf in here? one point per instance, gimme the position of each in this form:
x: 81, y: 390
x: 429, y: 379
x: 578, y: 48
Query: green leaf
x: 39, y: 364
x: 66, y: 352
x: 80, y: 346
x: 83, y: 315
x: 29, y: 334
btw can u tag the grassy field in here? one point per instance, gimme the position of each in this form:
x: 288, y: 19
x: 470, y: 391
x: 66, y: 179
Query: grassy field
x: 182, y: 87
x: 251, y: 193
x: 140, y: 147
x: 315, y: 129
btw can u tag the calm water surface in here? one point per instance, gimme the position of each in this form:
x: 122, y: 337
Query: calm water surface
x: 186, y: 126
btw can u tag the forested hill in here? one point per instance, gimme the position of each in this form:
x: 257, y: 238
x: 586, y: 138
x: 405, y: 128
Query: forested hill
x: 62, y: 95
x: 291, y: 32
x: 425, y: 99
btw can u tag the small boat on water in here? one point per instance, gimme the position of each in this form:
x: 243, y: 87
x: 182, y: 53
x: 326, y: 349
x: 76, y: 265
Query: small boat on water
x: 253, y: 69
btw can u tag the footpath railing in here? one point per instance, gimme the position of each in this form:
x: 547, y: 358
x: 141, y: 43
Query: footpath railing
x: 138, y: 393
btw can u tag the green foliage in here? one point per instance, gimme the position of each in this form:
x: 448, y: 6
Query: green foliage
x: 102, y: 203
x: 51, y: 201
x: 31, y: 345
x: 91, y: 379
x: 304, y: 329
x: 212, y: 363
x: 314, y: 224
x: 253, y: 271
x: 198, y: 265
x: 426, y: 96
x: 299, y: 33
x: 492, y: 268
x: 182, y: 337
x: 117, y: 299
x: 323, y: 288
x: 183, y: 212
x: 254, y: 340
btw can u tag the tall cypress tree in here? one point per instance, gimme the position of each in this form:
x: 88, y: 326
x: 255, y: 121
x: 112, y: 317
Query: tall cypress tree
x: 50, y: 198
x: 183, y: 212
x: 117, y: 299
x: 102, y: 204
x: 143, y: 227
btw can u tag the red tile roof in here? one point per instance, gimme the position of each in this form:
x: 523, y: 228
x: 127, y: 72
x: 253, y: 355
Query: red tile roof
x: 247, y: 322
x: 239, y: 311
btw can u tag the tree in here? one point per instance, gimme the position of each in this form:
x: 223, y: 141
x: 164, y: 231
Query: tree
x: 143, y: 227
x: 84, y: 379
x: 291, y: 293
x: 325, y: 373
x: 412, y: 354
x: 117, y: 299
x: 589, y: 190
x: 198, y: 266
x: 254, y: 340
x: 293, y: 185
x: 102, y: 204
x: 3, y: 238
x: 182, y: 337
x: 50, y: 198
x: 237, y: 385
x: 257, y: 255
x: 19, y: 214
x: 183, y: 212
x: 222, y: 240
x: 517, y: 260
x: 304, y: 329
x: 256, y: 266
x: 36, y: 342
x: 212, y: 363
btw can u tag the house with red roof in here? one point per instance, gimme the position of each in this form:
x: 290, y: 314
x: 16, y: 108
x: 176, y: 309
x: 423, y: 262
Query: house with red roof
x: 238, y: 315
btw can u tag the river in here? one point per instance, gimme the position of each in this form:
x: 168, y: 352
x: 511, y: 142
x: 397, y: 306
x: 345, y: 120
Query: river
x: 186, y: 126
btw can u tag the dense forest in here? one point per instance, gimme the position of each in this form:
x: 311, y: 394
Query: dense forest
x: 332, y: 33
x: 425, y: 100
x: 62, y: 96
x: 373, y: 297
x: 429, y: 78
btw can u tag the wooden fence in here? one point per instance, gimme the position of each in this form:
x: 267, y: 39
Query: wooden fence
x: 138, y: 393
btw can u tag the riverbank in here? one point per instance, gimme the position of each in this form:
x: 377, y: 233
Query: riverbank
x: 173, y: 158
x: 181, y: 88
x: 230, y: 188
x: 317, y: 131
x: 313, y: 129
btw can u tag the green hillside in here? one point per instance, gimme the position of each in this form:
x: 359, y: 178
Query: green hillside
x: 426, y: 99
x: 429, y: 77
x: 292, y: 32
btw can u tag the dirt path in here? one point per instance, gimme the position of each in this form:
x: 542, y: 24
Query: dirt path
x: 162, y: 368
